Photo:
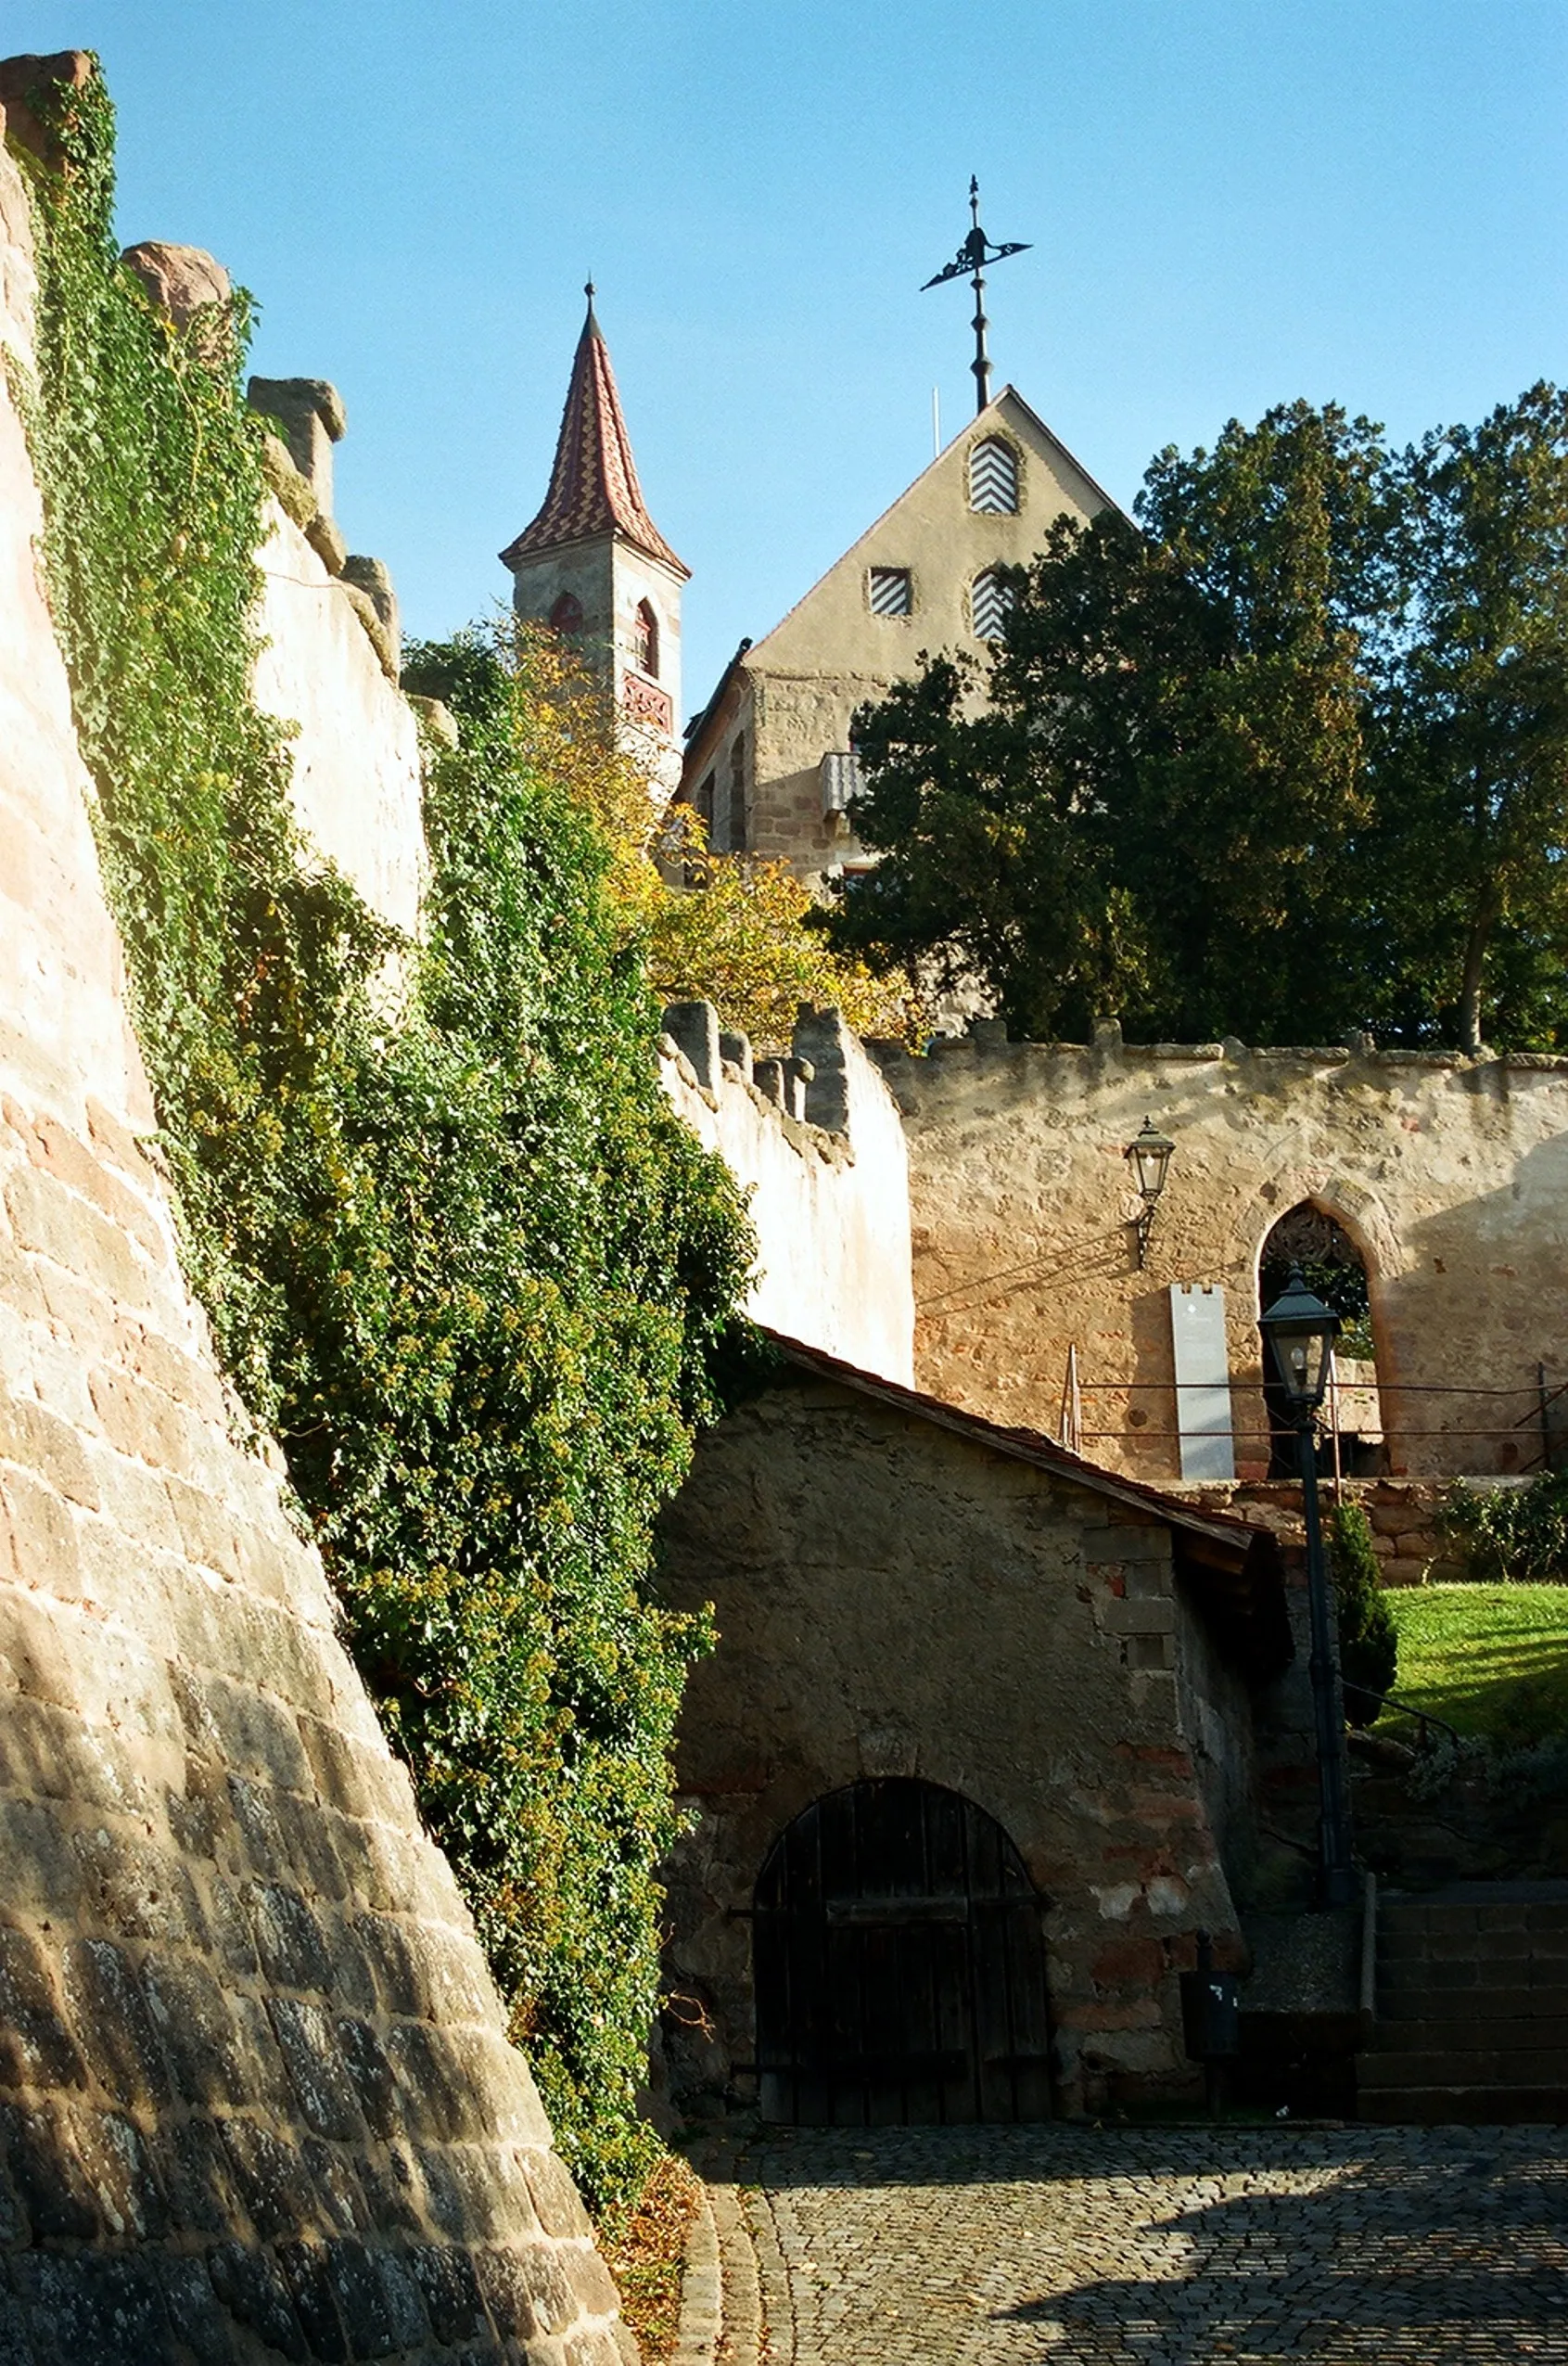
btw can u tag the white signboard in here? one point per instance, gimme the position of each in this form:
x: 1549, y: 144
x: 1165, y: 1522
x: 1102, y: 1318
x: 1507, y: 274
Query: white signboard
x: 1203, y: 1381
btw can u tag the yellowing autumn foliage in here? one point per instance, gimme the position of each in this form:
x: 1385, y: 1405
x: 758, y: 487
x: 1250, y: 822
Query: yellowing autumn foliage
x: 726, y: 929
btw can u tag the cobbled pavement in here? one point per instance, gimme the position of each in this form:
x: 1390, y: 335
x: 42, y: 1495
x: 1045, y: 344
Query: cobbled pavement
x: 1166, y: 2247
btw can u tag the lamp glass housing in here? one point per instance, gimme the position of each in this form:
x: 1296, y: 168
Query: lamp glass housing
x: 1302, y: 1332
x: 1150, y: 1152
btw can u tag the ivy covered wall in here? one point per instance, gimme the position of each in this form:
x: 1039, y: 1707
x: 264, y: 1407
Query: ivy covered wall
x: 458, y: 1253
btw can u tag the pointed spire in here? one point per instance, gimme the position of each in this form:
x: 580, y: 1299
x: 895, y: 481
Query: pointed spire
x: 593, y: 487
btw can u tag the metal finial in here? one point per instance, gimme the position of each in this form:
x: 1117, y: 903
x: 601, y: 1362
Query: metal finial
x: 970, y: 262
x: 588, y: 291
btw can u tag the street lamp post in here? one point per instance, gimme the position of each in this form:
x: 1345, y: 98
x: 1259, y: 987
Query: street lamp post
x: 1149, y: 1155
x: 1301, y: 1331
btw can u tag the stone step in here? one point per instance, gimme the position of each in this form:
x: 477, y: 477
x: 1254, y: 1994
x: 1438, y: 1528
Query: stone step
x: 1398, y: 1948
x: 1450, y: 1921
x: 1488, y: 2035
x: 1471, y: 2106
x: 1520, y: 2001
x: 1476, y: 2067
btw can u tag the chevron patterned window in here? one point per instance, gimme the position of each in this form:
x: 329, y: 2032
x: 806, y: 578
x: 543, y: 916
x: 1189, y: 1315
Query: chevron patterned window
x: 993, y: 478
x: 989, y: 600
x: 892, y: 592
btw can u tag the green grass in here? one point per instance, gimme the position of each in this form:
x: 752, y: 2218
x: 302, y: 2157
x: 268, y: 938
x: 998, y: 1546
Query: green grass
x: 1493, y: 1660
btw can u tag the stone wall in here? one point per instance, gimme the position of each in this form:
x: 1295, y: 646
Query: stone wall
x: 1449, y: 1175
x: 355, y: 748
x: 256, y: 2094
x: 816, y: 1143
x: 895, y: 1597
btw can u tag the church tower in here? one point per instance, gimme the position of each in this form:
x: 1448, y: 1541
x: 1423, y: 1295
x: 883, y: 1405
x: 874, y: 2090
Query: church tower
x: 594, y: 565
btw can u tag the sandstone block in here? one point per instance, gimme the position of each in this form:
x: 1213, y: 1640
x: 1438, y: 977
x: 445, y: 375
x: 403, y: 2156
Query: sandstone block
x: 308, y: 2040
x: 556, y: 2197
x: 528, y: 2291
x: 309, y: 413
x: 22, y: 78
x: 450, y: 2292
x: 36, y: 2048
x: 115, y: 2162
x: 291, y: 489
x: 375, y: 632
x: 290, y: 1940
x: 114, y: 2023
x: 180, y: 281
x: 56, y: 1223
x: 436, y: 721
x: 47, y: 1447
x: 326, y: 539
x: 48, y: 2178
x: 248, y: 2282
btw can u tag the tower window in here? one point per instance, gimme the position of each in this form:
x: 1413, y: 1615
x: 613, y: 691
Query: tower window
x: 989, y: 600
x: 892, y: 591
x: 647, y: 640
x: 993, y: 478
x: 567, y: 615
x: 735, y: 836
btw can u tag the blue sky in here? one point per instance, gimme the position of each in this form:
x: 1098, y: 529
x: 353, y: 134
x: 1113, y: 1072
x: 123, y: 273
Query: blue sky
x: 1232, y: 202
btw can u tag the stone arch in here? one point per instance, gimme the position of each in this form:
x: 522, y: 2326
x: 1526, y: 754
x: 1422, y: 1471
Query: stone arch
x: 566, y: 617
x: 1340, y: 1263
x: 900, y: 1963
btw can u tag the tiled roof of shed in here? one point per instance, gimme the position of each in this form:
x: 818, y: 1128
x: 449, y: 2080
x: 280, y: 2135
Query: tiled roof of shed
x: 593, y: 487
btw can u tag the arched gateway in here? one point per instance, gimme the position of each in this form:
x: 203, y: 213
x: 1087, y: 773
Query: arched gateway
x: 900, y: 1964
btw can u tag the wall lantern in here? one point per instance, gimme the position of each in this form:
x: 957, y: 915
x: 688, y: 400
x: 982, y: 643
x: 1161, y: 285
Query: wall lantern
x: 1302, y: 1331
x: 1150, y: 1155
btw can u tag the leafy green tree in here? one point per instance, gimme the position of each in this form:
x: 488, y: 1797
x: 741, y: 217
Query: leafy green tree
x: 1288, y: 757
x: 1369, y: 1640
x: 1472, y: 765
x: 1154, y: 812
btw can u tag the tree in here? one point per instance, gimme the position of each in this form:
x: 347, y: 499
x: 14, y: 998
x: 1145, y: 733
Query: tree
x: 1288, y: 757
x: 729, y: 929
x: 1152, y: 813
x: 1474, y: 769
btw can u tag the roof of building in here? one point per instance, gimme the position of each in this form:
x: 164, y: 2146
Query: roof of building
x: 1006, y: 409
x: 593, y: 487
x: 1236, y: 1562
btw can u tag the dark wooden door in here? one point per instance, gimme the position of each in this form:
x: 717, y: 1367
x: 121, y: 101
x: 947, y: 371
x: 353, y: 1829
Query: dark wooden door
x: 900, y: 1965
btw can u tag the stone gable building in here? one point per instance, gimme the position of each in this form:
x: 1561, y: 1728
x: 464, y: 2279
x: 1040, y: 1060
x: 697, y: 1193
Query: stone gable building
x: 768, y: 762
x: 989, y: 1736
x: 594, y: 567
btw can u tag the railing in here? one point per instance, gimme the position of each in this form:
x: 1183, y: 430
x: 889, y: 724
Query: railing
x: 1084, y: 1437
x: 1424, y: 1717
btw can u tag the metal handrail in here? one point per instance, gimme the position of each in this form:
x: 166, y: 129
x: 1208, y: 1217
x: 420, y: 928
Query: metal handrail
x: 1409, y: 1709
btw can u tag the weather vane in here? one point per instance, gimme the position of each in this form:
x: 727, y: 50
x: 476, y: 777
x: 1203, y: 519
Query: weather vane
x: 970, y: 260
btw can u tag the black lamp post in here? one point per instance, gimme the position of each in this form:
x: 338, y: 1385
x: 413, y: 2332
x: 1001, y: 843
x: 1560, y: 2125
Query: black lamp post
x: 1149, y: 1155
x: 1301, y: 1331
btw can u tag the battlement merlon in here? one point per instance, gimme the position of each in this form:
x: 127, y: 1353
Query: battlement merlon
x: 815, y: 1140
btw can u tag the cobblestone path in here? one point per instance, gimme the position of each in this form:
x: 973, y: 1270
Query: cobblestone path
x: 998, y: 2246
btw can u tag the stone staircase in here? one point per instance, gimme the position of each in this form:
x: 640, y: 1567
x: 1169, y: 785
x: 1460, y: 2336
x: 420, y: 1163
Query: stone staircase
x: 1472, y: 2015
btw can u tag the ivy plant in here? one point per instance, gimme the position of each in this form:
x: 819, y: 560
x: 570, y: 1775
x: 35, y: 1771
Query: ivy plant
x: 457, y: 1250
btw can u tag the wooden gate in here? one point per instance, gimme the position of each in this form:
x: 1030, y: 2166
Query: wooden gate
x: 900, y: 1965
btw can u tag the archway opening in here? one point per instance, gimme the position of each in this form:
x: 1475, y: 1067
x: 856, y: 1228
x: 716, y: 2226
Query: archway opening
x: 900, y: 1965
x: 1352, y: 1442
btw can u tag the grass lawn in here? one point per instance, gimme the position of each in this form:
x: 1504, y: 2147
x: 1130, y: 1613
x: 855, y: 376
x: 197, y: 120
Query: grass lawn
x: 1491, y: 1660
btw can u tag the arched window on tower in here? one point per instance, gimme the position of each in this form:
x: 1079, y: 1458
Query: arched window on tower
x: 993, y: 478
x: 647, y: 640
x: 566, y: 617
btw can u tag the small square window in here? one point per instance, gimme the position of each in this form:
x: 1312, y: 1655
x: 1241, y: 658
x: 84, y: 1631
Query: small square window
x: 892, y: 592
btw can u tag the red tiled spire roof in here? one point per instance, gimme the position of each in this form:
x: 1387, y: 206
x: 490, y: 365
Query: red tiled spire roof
x: 593, y: 487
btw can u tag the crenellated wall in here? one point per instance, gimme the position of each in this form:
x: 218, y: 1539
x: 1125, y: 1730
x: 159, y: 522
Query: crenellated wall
x: 256, y: 2098
x: 816, y: 1142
